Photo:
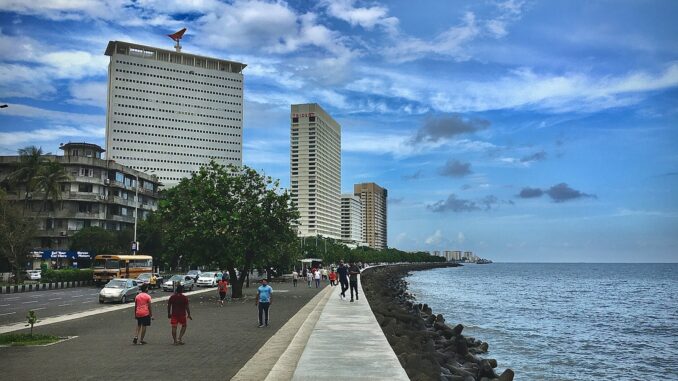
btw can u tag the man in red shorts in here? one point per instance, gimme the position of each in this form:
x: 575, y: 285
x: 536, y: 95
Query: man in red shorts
x: 177, y: 311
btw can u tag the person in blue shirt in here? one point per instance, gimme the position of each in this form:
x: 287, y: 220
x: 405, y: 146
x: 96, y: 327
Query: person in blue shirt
x: 263, y: 301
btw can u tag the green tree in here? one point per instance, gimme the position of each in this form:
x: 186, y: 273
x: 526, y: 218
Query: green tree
x: 31, y: 161
x: 49, y: 179
x: 231, y: 217
x: 94, y: 239
x: 16, y: 232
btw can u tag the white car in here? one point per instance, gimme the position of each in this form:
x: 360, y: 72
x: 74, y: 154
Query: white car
x: 208, y: 279
x: 33, y: 274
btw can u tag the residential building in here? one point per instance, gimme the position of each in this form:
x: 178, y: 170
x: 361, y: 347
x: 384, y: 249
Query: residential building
x: 315, y: 170
x: 99, y: 193
x: 374, y: 198
x: 169, y: 113
x: 351, y: 219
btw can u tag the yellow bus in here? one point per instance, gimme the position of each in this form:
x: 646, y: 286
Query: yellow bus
x: 107, y: 267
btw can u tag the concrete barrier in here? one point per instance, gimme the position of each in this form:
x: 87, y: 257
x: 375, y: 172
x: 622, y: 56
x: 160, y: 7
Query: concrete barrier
x: 44, y: 286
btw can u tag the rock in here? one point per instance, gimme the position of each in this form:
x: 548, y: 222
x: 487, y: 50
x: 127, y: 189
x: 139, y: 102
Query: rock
x: 493, y: 363
x: 507, y: 375
x: 440, y: 318
x: 485, y: 347
x: 461, y: 346
x: 457, y: 329
x: 486, y: 370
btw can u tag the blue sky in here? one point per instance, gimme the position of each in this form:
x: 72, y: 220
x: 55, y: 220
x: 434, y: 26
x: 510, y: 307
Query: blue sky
x: 520, y: 130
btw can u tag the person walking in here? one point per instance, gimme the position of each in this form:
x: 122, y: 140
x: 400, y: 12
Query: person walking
x: 153, y: 281
x: 263, y: 302
x: 295, y: 277
x: 353, y: 272
x: 317, y: 276
x: 222, y: 287
x: 333, y: 278
x: 309, y: 278
x: 177, y: 311
x: 143, y: 313
x: 342, y: 271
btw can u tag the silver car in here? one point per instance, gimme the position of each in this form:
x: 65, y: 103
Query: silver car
x: 119, y: 290
x: 184, y: 280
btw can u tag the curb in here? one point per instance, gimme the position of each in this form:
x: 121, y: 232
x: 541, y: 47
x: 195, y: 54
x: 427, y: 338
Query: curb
x: 44, y: 286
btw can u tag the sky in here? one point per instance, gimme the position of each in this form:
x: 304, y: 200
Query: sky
x: 524, y: 131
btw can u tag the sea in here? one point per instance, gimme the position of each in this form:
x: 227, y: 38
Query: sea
x: 563, y: 321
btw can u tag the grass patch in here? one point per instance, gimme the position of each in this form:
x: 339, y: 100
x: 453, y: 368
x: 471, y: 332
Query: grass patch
x: 18, y: 339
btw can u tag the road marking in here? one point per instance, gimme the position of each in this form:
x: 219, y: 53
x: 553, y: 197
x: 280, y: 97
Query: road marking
x: 86, y: 302
x: 39, y: 308
x: 55, y: 299
x: 63, y: 305
x: 14, y: 298
x: 30, y: 301
x: 8, y: 313
x: 77, y: 296
x: 4, y: 305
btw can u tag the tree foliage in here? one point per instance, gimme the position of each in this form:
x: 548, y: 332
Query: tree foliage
x: 16, y: 232
x: 229, y: 217
x: 101, y: 241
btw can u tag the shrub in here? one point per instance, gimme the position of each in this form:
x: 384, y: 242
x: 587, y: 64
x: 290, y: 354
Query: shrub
x: 66, y: 275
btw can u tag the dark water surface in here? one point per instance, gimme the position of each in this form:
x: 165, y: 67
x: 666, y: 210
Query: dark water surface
x: 564, y: 321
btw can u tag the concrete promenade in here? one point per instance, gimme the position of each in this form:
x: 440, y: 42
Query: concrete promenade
x: 337, y: 338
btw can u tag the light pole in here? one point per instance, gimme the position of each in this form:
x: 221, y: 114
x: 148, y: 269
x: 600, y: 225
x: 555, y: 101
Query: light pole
x: 135, y: 246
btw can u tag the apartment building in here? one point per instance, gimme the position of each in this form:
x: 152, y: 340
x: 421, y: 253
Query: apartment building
x: 315, y: 170
x: 373, y: 199
x: 351, y: 219
x: 168, y: 113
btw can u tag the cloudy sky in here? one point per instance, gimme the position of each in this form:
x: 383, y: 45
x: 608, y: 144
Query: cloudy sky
x: 520, y: 130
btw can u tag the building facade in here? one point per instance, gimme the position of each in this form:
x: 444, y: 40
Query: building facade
x: 99, y: 193
x: 315, y: 170
x: 168, y: 113
x: 374, y: 199
x: 351, y: 219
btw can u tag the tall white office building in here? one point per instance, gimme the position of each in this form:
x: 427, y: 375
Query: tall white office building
x: 169, y: 113
x: 315, y: 170
x: 351, y: 219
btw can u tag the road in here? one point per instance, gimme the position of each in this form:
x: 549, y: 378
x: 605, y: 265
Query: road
x: 14, y: 307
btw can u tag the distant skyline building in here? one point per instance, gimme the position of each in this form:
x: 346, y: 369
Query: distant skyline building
x: 168, y: 113
x: 315, y: 170
x: 375, y: 229
x: 351, y: 219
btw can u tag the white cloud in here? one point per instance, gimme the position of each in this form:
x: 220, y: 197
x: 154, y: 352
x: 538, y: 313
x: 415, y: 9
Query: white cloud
x: 74, y: 64
x: 23, y: 81
x: 435, y: 239
x: 366, y: 17
x: 50, y: 137
x: 55, y: 116
x: 461, y: 238
x: 89, y: 93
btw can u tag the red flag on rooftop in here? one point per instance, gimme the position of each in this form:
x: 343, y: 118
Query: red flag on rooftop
x: 178, y: 35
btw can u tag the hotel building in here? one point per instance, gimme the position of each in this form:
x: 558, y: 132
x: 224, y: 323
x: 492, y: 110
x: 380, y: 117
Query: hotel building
x: 168, y: 113
x: 373, y: 198
x: 315, y: 170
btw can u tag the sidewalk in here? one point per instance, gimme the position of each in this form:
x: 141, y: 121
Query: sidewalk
x: 337, y: 338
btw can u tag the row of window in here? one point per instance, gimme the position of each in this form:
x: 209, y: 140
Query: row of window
x: 177, y: 137
x: 175, y: 112
x: 178, y: 87
x: 177, y: 103
x: 137, y: 90
x: 178, y: 79
x: 172, y: 128
x: 146, y: 142
x: 173, y: 120
x: 178, y: 71
x: 160, y: 161
x: 172, y: 153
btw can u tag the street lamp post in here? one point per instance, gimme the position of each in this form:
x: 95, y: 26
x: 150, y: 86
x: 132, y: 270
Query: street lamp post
x: 136, y: 212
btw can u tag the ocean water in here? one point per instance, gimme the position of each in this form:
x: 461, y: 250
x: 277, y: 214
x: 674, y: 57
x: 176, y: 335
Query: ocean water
x: 564, y: 321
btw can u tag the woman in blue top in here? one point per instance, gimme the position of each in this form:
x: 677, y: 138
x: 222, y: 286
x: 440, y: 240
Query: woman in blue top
x: 263, y: 301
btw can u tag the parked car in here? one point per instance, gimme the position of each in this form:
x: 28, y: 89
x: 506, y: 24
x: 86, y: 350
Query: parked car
x: 33, y: 274
x: 184, y: 280
x: 119, y: 290
x: 195, y: 274
x: 208, y: 279
x: 145, y: 278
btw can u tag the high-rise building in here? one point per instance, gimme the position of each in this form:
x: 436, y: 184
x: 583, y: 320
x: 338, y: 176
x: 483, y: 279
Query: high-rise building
x: 315, y: 170
x: 373, y: 197
x: 351, y: 219
x: 168, y: 113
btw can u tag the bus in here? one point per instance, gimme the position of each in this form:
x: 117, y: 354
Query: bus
x: 107, y: 267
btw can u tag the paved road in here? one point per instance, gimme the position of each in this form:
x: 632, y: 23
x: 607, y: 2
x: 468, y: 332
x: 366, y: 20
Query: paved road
x: 13, y: 307
x: 219, y: 341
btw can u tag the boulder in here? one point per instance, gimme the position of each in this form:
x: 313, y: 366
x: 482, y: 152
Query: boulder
x: 440, y: 318
x: 507, y: 375
x: 457, y: 329
x: 486, y: 370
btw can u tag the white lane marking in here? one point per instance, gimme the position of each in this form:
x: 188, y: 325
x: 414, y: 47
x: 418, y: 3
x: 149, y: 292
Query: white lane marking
x: 8, y: 313
x: 35, y: 296
x: 4, y: 305
x: 77, y: 296
x: 14, y: 298
x: 30, y: 301
x: 86, y: 302
x: 39, y: 308
x: 63, y: 305
x: 55, y: 299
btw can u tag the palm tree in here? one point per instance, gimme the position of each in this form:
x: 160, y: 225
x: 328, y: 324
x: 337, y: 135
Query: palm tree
x: 49, y: 180
x: 31, y: 160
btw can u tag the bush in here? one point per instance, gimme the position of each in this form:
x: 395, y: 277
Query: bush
x: 66, y: 275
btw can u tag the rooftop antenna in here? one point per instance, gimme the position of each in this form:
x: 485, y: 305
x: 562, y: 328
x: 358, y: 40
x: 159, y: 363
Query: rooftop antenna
x: 177, y: 36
